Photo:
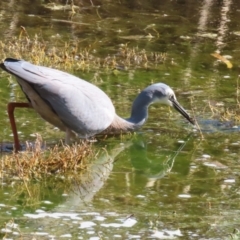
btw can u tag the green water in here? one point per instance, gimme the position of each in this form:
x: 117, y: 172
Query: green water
x: 165, y: 181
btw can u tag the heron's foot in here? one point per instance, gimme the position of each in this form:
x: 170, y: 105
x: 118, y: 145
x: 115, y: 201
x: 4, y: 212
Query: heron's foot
x: 9, y: 147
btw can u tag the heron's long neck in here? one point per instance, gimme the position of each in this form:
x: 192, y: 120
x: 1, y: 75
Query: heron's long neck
x: 138, y: 117
x: 139, y: 112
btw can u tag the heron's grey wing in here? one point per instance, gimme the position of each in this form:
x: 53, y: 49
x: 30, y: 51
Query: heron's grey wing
x: 80, y: 105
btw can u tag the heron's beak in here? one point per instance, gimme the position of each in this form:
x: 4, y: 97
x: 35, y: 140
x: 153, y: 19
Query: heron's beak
x: 180, y: 109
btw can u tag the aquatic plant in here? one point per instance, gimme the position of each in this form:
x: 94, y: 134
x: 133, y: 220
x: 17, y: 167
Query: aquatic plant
x: 71, y: 56
x: 38, y: 162
x: 230, y: 114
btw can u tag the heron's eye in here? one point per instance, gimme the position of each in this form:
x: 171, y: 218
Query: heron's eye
x: 171, y: 97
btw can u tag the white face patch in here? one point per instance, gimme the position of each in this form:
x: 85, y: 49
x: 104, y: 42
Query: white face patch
x: 162, y: 100
x: 163, y: 94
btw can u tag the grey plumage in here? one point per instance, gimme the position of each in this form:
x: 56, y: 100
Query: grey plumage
x: 75, y: 105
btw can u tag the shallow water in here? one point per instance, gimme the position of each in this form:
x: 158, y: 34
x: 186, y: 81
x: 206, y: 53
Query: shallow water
x: 165, y: 182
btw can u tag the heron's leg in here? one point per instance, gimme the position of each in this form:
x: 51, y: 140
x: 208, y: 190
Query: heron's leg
x: 69, y: 134
x: 10, y: 108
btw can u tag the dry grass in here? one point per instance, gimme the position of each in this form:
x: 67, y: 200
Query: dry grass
x: 60, y: 168
x: 71, y: 56
x: 38, y: 163
x: 227, y: 114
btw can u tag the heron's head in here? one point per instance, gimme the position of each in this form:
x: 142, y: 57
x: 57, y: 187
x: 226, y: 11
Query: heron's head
x: 162, y: 93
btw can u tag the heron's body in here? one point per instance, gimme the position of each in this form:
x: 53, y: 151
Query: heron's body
x: 77, y: 106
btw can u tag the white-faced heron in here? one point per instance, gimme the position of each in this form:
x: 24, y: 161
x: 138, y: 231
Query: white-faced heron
x: 77, y: 106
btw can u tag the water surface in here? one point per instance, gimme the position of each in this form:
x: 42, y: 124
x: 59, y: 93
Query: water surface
x: 165, y: 182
